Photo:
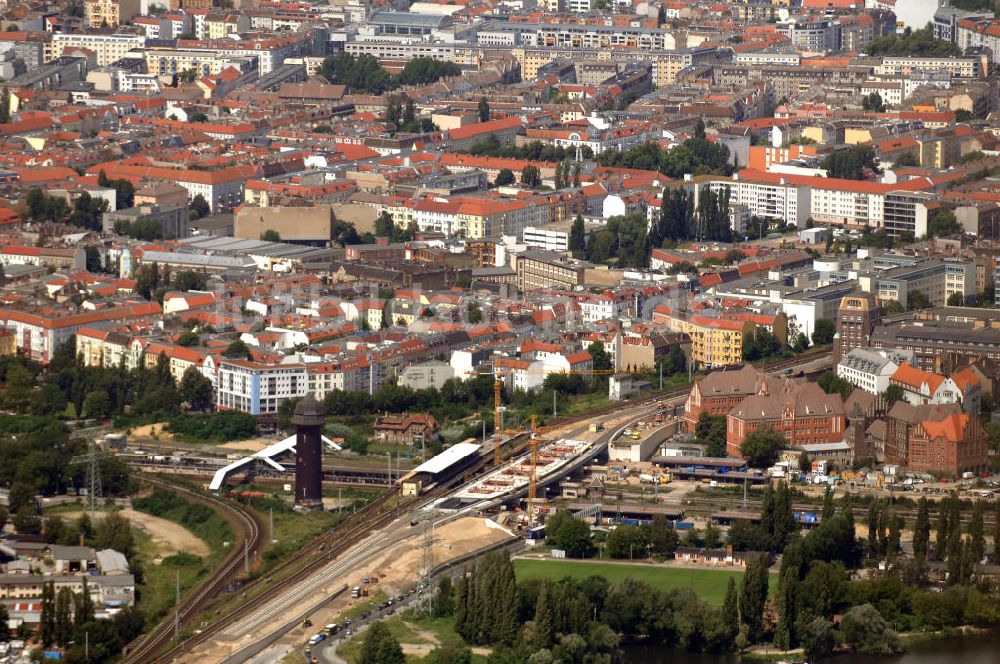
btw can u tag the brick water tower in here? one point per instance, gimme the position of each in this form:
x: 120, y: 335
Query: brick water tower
x: 308, y: 420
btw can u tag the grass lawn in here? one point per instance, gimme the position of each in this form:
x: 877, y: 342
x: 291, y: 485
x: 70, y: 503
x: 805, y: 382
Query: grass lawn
x: 157, y: 592
x: 293, y: 530
x: 710, y: 584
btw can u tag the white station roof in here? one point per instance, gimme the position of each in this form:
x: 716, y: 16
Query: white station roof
x: 265, y: 455
x: 448, y: 458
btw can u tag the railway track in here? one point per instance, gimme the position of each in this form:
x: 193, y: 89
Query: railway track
x: 153, y: 648
x: 147, y: 649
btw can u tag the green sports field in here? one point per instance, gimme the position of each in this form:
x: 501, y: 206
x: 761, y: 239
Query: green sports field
x: 710, y: 584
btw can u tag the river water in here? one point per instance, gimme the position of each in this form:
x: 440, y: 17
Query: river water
x: 976, y: 649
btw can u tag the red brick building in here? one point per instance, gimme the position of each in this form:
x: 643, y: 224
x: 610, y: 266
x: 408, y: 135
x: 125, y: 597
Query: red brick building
x: 953, y: 445
x: 415, y: 429
x: 720, y: 392
x: 798, y: 409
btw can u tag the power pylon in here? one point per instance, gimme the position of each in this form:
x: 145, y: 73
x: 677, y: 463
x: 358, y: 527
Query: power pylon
x: 92, y: 461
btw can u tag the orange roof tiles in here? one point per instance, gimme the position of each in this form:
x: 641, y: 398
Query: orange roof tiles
x: 915, y: 378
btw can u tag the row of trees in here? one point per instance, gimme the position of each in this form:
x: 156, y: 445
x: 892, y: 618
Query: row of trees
x: 696, y: 155
x: 913, y: 42
x: 364, y: 73
x: 680, y: 221
x: 404, y: 117
x: 486, y: 603
x: 533, y: 151
x: 152, y: 283
x: 560, y: 618
x: 85, y: 212
x: 623, y: 239
x: 854, y: 163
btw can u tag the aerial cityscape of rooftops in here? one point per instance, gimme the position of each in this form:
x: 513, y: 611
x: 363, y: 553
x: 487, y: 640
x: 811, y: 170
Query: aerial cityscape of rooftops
x: 499, y: 331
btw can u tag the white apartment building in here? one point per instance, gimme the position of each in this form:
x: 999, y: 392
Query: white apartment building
x: 435, y: 215
x: 905, y: 65
x: 258, y: 389
x: 770, y: 198
x: 937, y: 280
x: 839, y: 204
x: 868, y: 369
x: 605, y: 307
x: 550, y: 239
x: 979, y: 32
x: 349, y: 375
x: 108, y: 48
x: 394, y: 50
x: 763, y: 58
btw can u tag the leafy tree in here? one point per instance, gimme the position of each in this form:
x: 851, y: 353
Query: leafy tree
x: 760, y: 448
x: 943, y: 224
x: 361, y: 74
x: 627, y: 542
x: 199, y: 207
x: 97, y: 405
x: 41, y: 207
x: 851, y: 163
x: 87, y: 211
x: 823, y: 331
x: 5, y: 106
x: 892, y: 394
x: 124, y: 190
x: 572, y: 535
x: 237, y: 349
x: 484, y: 110
x: 504, y: 178
x: 800, y: 343
x: 907, y: 159
x: 530, y: 176
x: 4, y: 614
x: 577, y: 237
x: 753, y: 594
x: 424, y: 71
x: 977, y: 537
x: 188, y: 339
x: 196, y: 389
x: 731, y: 611
x: 270, y: 235
x: 921, y: 531
x: 696, y: 155
x: 917, y: 300
x: 143, y: 228
x: 63, y: 627
x: 475, y: 313
x: 380, y: 646
x: 662, y: 536
x: 760, y: 345
x: 26, y: 520
x: 865, y: 630
x: 601, y: 358
x: 712, y: 430
x: 114, y: 532
x: 47, y: 619
x: 913, y: 42
x: 624, y: 239
x: 95, y: 261
x: 831, y: 383
x: 819, y: 638
x: 873, y: 102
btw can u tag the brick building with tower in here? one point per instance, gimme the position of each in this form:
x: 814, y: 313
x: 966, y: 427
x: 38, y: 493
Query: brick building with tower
x: 858, y: 316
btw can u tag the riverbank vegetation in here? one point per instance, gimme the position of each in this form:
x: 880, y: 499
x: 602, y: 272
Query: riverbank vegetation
x: 834, y: 592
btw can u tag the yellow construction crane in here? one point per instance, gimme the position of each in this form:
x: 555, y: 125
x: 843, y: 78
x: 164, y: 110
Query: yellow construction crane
x: 533, y: 481
x: 498, y: 397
